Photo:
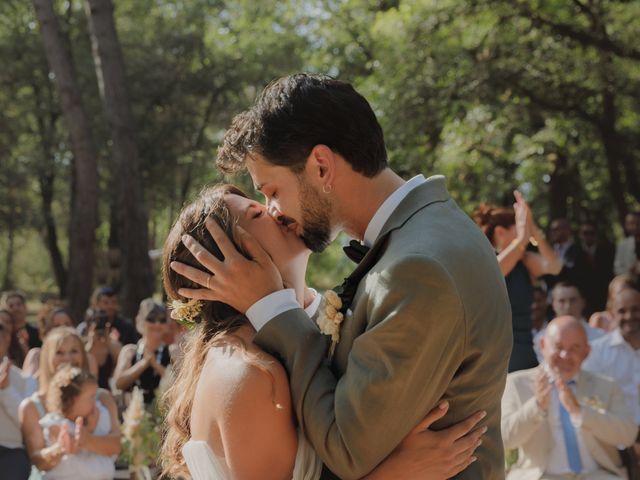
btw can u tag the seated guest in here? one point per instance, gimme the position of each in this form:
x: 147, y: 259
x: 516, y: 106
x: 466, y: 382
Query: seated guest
x: 628, y: 250
x: 617, y: 354
x: 101, y: 346
x: 14, y: 387
x: 55, y: 317
x: 144, y: 364
x: 564, y: 421
x: 604, y: 319
x: 122, y: 329
x: 16, y: 302
x: 566, y: 300
x: 561, y: 236
x: 539, y: 308
x: 16, y: 352
x: 77, y: 436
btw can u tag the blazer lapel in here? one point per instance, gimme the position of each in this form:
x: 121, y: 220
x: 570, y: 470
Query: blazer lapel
x: 432, y: 190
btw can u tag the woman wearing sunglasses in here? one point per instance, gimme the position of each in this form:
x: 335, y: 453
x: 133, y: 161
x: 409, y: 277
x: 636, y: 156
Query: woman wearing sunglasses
x: 143, y: 364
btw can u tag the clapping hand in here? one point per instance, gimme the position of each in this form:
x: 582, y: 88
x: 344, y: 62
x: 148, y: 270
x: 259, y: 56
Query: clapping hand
x: 66, y: 444
x: 524, y: 219
x: 567, y: 398
x: 81, y: 434
x: 543, y: 389
x: 5, y: 373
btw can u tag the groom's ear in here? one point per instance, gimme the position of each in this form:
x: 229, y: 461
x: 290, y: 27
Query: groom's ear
x: 321, y: 166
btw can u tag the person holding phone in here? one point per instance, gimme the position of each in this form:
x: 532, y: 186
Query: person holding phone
x: 102, y: 346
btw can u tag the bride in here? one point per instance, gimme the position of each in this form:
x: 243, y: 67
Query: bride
x: 230, y: 413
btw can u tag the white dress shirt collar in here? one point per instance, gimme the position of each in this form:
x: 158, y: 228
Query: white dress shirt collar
x: 386, y: 209
x: 312, y: 308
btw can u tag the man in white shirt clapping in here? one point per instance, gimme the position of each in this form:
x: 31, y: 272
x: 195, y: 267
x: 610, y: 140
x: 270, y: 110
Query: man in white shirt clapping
x: 617, y: 354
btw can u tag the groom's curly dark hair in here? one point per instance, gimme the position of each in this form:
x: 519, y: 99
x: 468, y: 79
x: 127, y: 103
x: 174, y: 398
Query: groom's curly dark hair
x: 295, y: 113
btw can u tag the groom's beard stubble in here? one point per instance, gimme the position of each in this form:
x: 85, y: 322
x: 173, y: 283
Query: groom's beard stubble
x: 316, y: 224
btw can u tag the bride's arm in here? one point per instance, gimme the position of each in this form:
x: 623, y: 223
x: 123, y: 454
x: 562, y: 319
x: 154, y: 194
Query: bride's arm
x: 257, y: 428
x: 432, y: 455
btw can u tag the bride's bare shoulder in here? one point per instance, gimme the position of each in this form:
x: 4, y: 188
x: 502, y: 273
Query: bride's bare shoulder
x: 235, y: 370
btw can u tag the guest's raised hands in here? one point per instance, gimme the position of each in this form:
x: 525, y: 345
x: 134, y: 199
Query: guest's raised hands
x: 543, y: 389
x: 524, y: 219
x: 567, y: 398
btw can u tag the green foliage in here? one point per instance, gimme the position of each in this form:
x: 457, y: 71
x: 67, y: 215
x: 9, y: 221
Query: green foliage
x: 495, y: 94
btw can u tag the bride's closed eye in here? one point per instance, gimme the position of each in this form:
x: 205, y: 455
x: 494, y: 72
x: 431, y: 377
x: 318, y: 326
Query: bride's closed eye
x: 257, y: 214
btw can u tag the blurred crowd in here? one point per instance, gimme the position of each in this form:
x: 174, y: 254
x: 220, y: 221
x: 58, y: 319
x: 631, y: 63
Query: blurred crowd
x: 65, y: 382
x: 571, y: 407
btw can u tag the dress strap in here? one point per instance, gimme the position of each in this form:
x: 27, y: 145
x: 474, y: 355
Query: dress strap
x: 38, y: 403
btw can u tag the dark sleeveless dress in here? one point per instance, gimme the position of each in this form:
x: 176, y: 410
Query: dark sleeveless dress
x: 105, y: 371
x: 521, y: 296
x: 149, y: 380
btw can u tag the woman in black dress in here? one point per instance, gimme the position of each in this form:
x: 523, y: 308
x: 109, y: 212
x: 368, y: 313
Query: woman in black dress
x: 510, y: 230
x: 143, y: 364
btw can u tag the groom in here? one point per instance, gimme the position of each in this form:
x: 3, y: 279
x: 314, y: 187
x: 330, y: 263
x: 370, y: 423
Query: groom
x: 430, y: 317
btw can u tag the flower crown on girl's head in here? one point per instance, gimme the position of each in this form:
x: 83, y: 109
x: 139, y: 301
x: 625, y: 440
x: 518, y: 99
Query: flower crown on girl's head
x: 187, y: 313
x: 65, y: 386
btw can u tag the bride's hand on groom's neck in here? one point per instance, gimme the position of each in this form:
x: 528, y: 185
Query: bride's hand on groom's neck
x: 236, y: 280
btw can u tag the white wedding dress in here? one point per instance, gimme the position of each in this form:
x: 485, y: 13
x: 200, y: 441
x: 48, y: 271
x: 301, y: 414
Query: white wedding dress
x: 203, y: 464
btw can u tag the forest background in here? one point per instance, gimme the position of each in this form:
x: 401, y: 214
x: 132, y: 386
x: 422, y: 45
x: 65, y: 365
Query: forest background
x: 110, y: 117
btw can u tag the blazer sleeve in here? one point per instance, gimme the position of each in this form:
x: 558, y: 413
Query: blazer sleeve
x: 397, y: 370
x: 519, y: 420
x: 615, y: 425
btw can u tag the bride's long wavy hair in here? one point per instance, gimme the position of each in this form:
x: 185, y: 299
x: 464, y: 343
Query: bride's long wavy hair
x: 217, y: 318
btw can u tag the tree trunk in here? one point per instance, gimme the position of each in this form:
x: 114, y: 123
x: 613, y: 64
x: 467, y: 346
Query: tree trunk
x: 84, y: 209
x: 46, y: 118
x: 7, y: 280
x: 611, y: 141
x: 627, y: 149
x: 136, y: 274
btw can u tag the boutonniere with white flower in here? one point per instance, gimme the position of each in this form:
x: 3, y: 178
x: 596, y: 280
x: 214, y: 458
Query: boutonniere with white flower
x: 330, y: 318
x: 186, y: 313
x: 594, y: 402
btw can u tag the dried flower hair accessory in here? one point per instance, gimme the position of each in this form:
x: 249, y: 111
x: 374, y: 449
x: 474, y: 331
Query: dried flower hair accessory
x: 186, y: 313
x: 330, y: 318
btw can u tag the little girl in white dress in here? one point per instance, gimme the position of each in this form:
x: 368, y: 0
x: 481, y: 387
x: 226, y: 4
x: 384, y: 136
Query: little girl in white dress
x: 73, y: 391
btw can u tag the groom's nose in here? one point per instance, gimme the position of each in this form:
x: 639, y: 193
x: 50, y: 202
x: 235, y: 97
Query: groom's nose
x: 274, y: 212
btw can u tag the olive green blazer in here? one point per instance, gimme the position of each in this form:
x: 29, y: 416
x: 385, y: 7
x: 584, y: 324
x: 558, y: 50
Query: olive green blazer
x: 430, y: 320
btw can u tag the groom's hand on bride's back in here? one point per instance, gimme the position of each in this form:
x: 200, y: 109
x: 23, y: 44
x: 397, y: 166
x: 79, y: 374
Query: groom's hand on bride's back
x: 236, y: 280
x: 433, y: 455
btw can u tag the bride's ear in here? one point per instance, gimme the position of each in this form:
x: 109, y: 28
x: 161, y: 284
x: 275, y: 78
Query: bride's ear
x: 321, y: 167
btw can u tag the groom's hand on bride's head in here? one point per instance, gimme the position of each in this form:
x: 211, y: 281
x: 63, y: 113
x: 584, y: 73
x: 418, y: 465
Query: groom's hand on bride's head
x: 434, y: 455
x: 236, y: 280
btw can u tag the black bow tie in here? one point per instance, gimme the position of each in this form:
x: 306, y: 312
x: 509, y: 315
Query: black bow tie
x: 355, y: 251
